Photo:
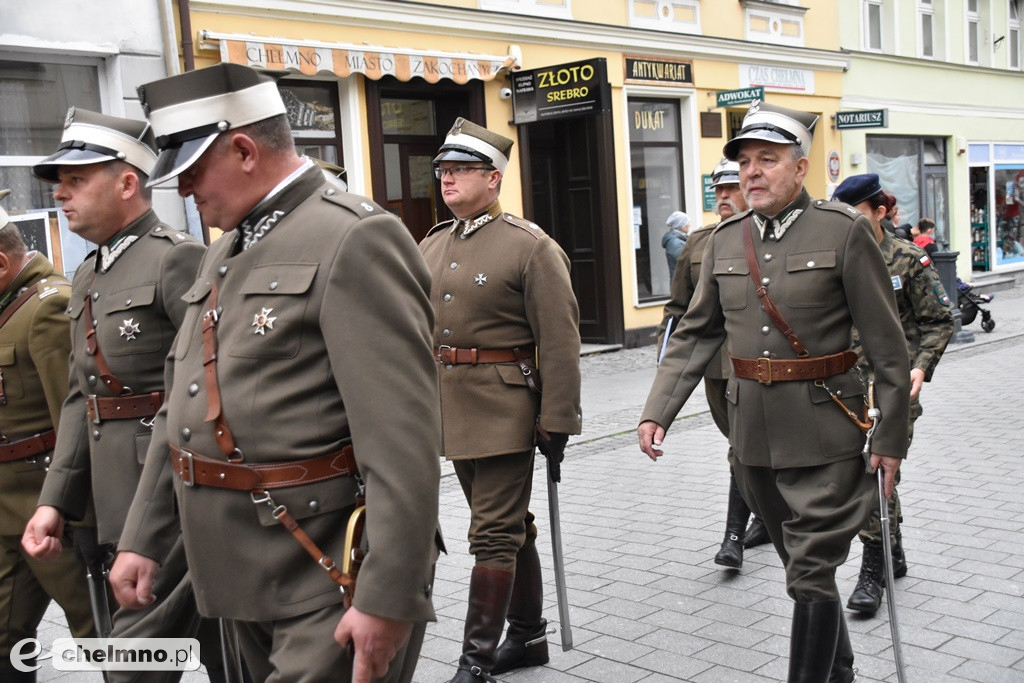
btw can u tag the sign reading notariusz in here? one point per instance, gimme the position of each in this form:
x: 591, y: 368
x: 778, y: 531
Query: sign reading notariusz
x: 561, y: 91
x: 733, y: 98
x: 867, y: 118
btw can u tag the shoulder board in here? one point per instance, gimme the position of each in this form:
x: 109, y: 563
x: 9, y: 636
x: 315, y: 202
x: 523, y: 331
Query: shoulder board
x: 528, y: 226
x: 443, y: 225
x: 838, y: 207
x: 359, y: 205
x: 735, y: 218
x: 168, y: 233
x: 53, y: 284
x: 703, y: 228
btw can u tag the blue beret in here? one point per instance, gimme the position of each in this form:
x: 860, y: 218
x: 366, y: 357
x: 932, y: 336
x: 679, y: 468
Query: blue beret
x: 857, y: 188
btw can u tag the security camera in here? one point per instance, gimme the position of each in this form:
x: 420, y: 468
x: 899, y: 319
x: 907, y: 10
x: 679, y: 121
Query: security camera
x: 505, y: 93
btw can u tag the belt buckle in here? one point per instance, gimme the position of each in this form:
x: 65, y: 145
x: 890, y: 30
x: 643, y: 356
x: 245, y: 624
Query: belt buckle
x: 190, y: 467
x: 92, y: 403
x: 764, y: 371
x: 440, y: 353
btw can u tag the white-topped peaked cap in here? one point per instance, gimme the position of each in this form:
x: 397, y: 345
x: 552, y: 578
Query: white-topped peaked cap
x: 467, y: 141
x: 773, y: 123
x: 190, y: 110
x: 726, y: 173
x: 92, y: 138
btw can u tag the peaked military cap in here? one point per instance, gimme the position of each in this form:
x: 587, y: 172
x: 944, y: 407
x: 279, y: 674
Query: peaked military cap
x: 4, y: 218
x: 91, y: 138
x: 190, y: 110
x: 726, y: 173
x: 773, y: 123
x: 467, y: 141
x: 857, y: 188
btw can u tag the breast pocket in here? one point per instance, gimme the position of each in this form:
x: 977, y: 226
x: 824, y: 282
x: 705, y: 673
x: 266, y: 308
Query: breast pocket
x: 12, y: 384
x: 130, y: 325
x: 733, y: 282
x: 195, y: 297
x: 274, y: 300
x: 811, y: 279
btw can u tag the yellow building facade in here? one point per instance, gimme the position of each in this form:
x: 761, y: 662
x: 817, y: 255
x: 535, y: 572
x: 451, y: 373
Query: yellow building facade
x: 619, y: 109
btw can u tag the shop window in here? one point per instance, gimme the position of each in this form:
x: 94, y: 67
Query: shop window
x: 773, y: 22
x: 313, y: 115
x: 655, y: 150
x: 559, y: 9
x: 913, y: 169
x: 1008, y: 213
x: 677, y: 16
x: 1013, y: 35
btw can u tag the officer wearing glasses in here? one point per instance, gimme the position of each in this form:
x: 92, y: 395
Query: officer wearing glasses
x: 502, y: 300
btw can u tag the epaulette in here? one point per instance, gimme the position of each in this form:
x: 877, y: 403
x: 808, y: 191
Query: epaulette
x: 528, y: 226
x: 443, y: 225
x: 53, y: 284
x: 176, y: 236
x: 838, y: 207
x: 359, y: 205
x: 735, y: 218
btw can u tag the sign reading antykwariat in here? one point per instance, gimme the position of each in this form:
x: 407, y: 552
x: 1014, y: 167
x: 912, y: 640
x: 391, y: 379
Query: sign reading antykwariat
x: 658, y: 70
x: 561, y: 91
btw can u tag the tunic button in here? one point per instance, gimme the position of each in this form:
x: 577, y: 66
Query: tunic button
x: 313, y: 506
x: 127, y: 302
x: 92, y: 380
x: 95, y: 322
x: 810, y: 264
x: 729, y: 269
x: 273, y: 286
x: 186, y: 433
x: 767, y: 257
x: 447, y: 297
x: 95, y: 296
x: 453, y: 265
x: 839, y: 392
x: 193, y: 389
x: 329, y: 192
x: 446, y: 333
x: 765, y: 330
x: 222, y: 271
x: 448, y: 366
x: 95, y: 435
x: 766, y: 353
x: 765, y: 281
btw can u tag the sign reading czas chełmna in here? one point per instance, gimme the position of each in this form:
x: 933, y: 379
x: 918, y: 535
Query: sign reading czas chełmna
x: 867, y: 118
x: 732, y: 98
x: 657, y: 70
x: 561, y: 91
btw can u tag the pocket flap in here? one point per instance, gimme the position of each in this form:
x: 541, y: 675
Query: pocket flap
x: 731, y: 266
x: 200, y: 290
x: 133, y: 297
x: 843, y: 386
x: 280, y: 278
x: 6, y: 354
x: 511, y: 374
x: 810, y: 260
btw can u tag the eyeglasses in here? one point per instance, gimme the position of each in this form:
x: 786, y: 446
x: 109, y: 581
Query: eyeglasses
x: 458, y: 171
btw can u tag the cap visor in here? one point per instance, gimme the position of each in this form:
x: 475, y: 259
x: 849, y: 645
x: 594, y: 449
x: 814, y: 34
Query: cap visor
x: 174, y: 160
x: 732, y: 148
x: 47, y: 168
x: 454, y: 155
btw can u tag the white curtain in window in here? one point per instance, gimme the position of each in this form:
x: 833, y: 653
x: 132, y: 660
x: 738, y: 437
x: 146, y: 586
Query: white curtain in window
x: 898, y: 177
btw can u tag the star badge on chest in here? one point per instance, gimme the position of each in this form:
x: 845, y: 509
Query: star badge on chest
x: 263, y: 321
x: 480, y: 279
x: 130, y: 329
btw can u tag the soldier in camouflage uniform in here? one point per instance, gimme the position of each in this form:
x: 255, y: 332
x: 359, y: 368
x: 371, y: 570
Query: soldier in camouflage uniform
x: 927, y: 321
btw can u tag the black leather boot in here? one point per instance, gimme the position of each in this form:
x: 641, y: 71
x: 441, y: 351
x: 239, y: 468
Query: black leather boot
x: 757, y: 534
x: 489, y: 593
x: 812, y: 644
x: 842, y: 664
x: 899, y: 558
x: 731, y: 552
x: 526, y: 641
x: 867, y: 596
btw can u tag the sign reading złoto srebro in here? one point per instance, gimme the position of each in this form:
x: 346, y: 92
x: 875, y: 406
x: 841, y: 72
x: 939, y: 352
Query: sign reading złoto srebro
x: 561, y: 91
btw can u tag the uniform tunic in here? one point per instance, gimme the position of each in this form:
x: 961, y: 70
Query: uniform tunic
x: 825, y: 274
x: 34, y: 345
x: 323, y: 339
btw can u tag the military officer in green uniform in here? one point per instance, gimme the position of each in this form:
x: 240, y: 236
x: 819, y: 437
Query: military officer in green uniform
x: 782, y: 286
x: 927, y: 320
x: 502, y: 297
x: 125, y: 310
x: 725, y: 179
x: 303, y: 380
x: 34, y: 346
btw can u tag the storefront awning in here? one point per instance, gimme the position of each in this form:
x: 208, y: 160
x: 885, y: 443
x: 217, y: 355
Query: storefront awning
x: 311, y: 57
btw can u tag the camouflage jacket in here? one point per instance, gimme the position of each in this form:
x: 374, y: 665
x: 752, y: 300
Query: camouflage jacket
x: 923, y: 304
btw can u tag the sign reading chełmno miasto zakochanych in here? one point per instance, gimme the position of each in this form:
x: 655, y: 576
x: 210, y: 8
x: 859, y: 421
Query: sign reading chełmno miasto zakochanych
x: 561, y: 91
x: 866, y: 118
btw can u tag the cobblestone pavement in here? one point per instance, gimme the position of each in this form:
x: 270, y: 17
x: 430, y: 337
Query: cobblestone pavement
x: 648, y: 603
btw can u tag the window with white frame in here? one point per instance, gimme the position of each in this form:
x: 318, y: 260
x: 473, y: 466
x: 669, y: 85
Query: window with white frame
x: 558, y: 9
x: 1013, y: 35
x: 871, y: 25
x: 926, y: 28
x: 972, y: 44
x: 677, y: 16
x: 774, y: 22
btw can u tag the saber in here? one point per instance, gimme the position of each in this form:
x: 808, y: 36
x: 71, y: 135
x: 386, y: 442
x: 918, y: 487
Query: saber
x: 96, y: 557
x: 231, y: 651
x: 883, y: 515
x: 556, y: 553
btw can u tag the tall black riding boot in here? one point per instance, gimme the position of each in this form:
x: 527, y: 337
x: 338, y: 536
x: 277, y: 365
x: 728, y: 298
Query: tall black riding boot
x: 731, y: 552
x: 842, y: 664
x: 812, y: 644
x: 526, y: 641
x: 757, y: 534
x: 867, y: 596
x: 489, y: 592
x: 899, y: 558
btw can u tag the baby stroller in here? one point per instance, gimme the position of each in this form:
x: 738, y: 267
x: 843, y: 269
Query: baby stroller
x: 970, y: 304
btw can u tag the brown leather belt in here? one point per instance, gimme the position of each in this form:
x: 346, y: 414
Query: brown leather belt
x: 450, y: 355
x: 198, y: 470
x: 101, y: 408
x: 26, y: 448
x: 768, y: 370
